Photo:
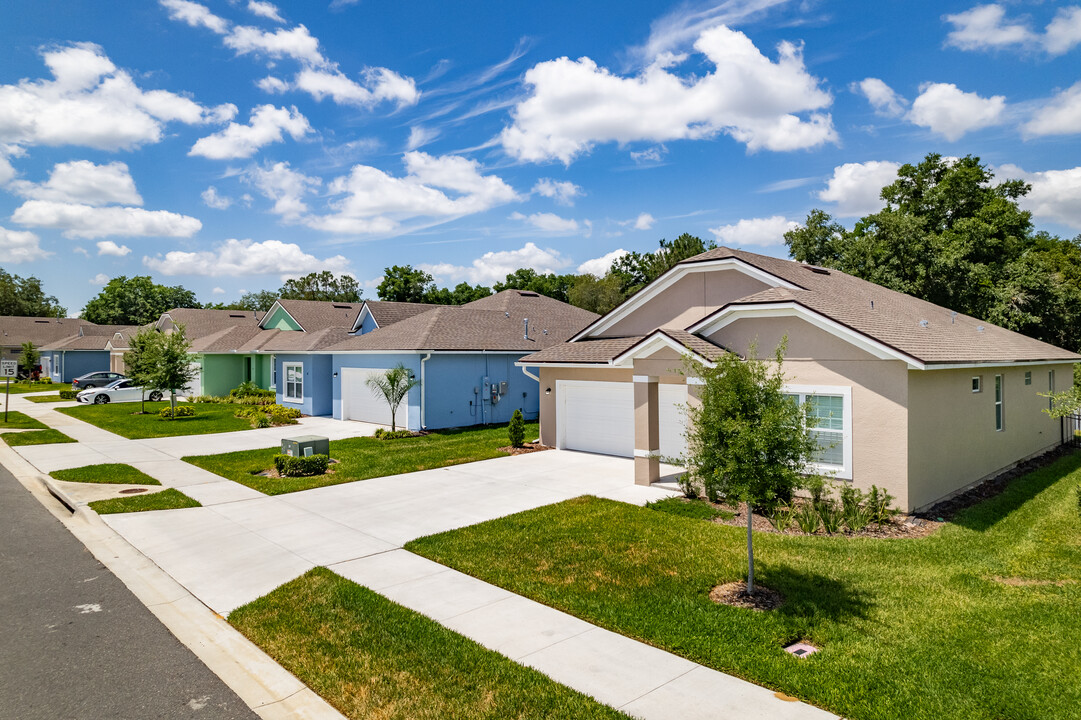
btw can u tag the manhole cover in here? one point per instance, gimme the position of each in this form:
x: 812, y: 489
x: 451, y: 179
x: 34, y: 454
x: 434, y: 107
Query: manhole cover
x: 801, y: 649
x: 132, y: 491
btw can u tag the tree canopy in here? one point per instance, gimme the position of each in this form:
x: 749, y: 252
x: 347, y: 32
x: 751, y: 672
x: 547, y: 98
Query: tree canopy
x: 550, y: 284
x: 136, y: 301
x: 635, y: 270
x: 951, y: 235
x: 404, y: 283
x: 325, y: 286
x: 25, y: 297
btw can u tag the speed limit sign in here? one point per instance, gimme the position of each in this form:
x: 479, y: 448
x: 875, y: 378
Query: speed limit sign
x: 9, y: 368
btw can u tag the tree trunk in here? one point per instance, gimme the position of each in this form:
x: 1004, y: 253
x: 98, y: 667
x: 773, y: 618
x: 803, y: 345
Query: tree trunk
x: 142, y: 401
x: 172, y: 404
x: 750, y: 552
x: 393, y: 412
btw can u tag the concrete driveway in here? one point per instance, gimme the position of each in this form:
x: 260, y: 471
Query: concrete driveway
x: 232, y: 552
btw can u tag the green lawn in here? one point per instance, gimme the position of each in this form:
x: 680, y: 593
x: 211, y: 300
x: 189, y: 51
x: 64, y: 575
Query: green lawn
x: 17, y: 420
x: 121, y: 418
x: 168, y: 499
x: 110, y: 473
x: 979, y: 621
x: 24, y: 387
x: 371, y: 658
x: 364, y: 458
x: 36, y: 437
x: 55, y: 397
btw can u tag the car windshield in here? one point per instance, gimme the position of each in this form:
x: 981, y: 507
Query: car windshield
x: 116, y: 384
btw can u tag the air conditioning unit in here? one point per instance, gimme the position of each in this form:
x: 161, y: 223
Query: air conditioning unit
x: 306, y: 445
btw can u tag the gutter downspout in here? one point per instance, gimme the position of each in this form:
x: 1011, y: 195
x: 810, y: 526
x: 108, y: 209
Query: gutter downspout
x: 525, y: 371
x: 423, y: 360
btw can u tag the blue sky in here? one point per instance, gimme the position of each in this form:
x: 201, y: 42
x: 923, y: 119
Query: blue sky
x: 228, y: 144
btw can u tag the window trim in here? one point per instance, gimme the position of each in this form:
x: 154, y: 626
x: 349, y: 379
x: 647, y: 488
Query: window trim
x: 1051, y: 388
x: 843, y: 472
x: 285, y: 385
x: 1028, y: 377
x: 1000, y: 403
x: 977, y: 383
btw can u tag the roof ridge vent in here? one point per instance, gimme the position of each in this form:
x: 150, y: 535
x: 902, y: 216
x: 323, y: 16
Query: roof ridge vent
x: 816, y: 270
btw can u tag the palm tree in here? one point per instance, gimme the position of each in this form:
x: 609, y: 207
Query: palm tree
x: 393, y: 385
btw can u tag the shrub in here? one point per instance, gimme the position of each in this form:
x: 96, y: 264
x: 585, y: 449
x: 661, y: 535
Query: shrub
x: 181, y: 411
x: 289, y: 466
x: 856, y: 510
x: 67, y: 394
x: 249, y: 389
x: 46, y: 381
x: 279, y: 414
x: 261, y: 422
x: 816, y: 487
x: 879, y: 502
x: 688, y: 486
x: 832, y: 516
x: 516, y: 429
x: 383, y: 434
x: 807, y: 518
x: 782, y: 517
x: 204, y: 399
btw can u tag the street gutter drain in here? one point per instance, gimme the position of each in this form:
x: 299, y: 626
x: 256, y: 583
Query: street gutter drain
x: 801, y: 649
x: 132, y: 491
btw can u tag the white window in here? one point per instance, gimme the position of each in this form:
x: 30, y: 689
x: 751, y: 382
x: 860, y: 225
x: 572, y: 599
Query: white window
x: 273, y: 373
x: 1000, y: 420
x: 830, y: 417
x: 977, y: 385
x: 1050, y: 389
x: 294, y: 382
x: 1028, y: 377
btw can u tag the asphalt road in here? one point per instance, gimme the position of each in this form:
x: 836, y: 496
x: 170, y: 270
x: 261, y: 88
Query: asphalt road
x: 76, y: 644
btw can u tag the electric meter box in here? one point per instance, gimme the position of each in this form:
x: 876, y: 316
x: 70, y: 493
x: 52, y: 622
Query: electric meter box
x: 306, y: 445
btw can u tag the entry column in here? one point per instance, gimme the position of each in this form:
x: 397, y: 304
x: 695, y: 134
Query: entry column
x: 647, y: 431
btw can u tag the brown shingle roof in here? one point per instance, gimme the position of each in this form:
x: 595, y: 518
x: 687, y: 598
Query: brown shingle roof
x: 493, y: 323
x: 200, y: 323
x: 388, y: 312
x: 94, y: 337
x: 926, y: 332
x: 592, y: 350
x: 15, y: 329
x: 315, y: 315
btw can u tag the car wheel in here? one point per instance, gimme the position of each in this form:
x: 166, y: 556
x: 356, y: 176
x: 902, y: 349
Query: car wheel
x: 101, y: 399
x: 155, y: 396
x: 89, y: 387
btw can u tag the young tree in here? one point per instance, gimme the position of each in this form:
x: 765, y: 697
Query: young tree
x: 174, y: 369
x: 140, y: 361
x: 29, y: 358
x: 516, y: 429
x: 746, y: 439
x: 393, y: 385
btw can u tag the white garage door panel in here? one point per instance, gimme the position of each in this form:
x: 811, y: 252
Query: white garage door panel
x: 360, y: 403
x: 673, y: 418
x: 599, y: 417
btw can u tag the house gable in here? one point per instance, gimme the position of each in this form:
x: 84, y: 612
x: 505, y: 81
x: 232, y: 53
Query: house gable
x: 279, y: 319
x: 804, y: 341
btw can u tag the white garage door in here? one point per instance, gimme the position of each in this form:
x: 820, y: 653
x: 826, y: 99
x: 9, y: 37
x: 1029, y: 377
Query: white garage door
x: 359, y: 403
x: 599, y: 417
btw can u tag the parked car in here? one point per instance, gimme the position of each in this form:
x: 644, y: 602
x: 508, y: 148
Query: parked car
x: 95, y: 380
x: 123, y: 390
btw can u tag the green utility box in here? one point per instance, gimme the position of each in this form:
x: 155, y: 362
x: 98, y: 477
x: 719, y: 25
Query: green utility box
x: 306, y: 445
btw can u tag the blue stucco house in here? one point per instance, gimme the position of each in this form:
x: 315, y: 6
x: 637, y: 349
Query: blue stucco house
x: 462, y: 356
x: 93, y: 348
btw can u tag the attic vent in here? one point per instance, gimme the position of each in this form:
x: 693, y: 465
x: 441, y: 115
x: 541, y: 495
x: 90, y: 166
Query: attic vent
x: 42, y: 322
x: 343, y: 307
x: 527, y: 293
x: 237, y: 315
x: 817, y: 270
x: 923, y: 323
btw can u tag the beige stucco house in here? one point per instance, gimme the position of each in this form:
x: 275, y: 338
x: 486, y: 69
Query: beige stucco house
x: 907, y: 394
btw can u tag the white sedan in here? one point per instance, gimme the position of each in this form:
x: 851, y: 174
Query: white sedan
x: 117, y: 391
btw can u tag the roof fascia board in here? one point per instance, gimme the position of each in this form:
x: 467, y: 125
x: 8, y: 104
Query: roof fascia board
x: 281, y: 307
x: 671, y: 277
x: 731, y: 313
x: 603, y: 365
x: 1012, y: 363
x: 650, y: 344
x: 385, y: 352
x: 360, y: 317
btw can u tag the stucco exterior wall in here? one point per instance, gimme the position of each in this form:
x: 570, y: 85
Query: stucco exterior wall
x: 549, y: 376
x: 376, y: 362
x: 952, y: 437
x: 318, y: 383
x: 70, y: 364
x: 687, y: 301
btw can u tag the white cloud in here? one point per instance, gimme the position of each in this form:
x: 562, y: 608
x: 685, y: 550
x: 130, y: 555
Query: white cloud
x: 600, y: 266
x: 265, y: 126
x: 81, y: 181
x: 882, y: 97
x: 195, y: 15
x: 1055, y: 195
x: 219, y: 291
x: 420, y: 136
x: 7, y: 172
x: 212, y: 199
x: 649, y: 156
x: 762, y: 232
x: 575, y: 104
x: 108, y: 247
x: 91, y: 103
x: 855, y: 187
x: 378, y: 84
x: 100, y: 280
x: 442, y: 187
x: 644, y: 221
x: 238, y: 258
x: 985, y: 27
x: 86, y: 221
x: 494, y: 266
x: 18, y: 246
x: 296, y: 43
x: 951, y: 112
x: 548, y: 222
x: 562, y: 191
x: 273, y: 85
x: 285, y: 186
x: 680, y: 27
x: 265, y: 9
x: 1060, y: 116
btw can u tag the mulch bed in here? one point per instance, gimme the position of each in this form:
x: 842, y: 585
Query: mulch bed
x: 530, y: 447
x: 903, y: 526
x: 735, y: 594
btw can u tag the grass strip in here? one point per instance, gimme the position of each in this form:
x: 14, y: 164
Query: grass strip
x: 21, y: 421
x: 46, y: 398
x: 975, y: 622
x: 36, y: 437
x: 124, y: 420
x: 364, y: 458
x: 108, y: 473
x: 372, y: 658
x: 169, y: 499
x: 689, y: 508
x: 25, y: 387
